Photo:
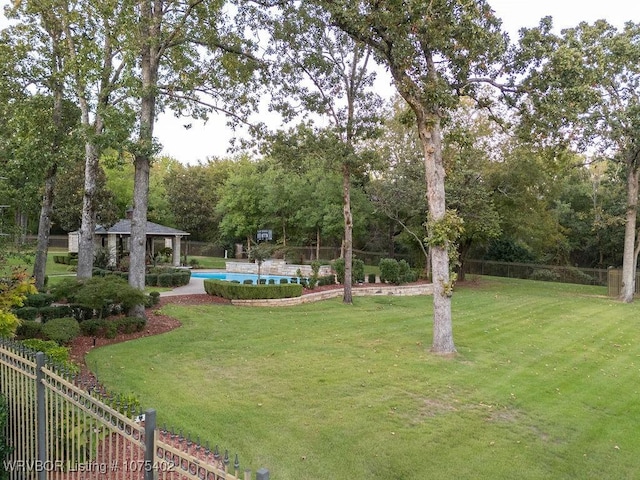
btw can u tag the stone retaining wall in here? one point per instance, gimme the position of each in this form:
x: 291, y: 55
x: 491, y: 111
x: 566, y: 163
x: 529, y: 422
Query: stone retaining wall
x: 275, y: 267
x: 396, y: 290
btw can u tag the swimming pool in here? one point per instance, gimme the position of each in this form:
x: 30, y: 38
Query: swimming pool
x: 241, y: 277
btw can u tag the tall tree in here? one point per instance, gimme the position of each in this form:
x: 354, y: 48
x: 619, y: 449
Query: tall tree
x: 93, y: 35
x: 240, y: 203
x: 338, y: 85
x: 85, y: 36
x: 43, y: 126
x: 434, y: 52
x: 194, y: 57
x: 194, y: 192
x: 582, y: 91
x: 398, y: 189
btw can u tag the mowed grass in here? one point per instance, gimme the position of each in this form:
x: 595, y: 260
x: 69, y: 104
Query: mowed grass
x: 545, y: 385
x: 25, y: 262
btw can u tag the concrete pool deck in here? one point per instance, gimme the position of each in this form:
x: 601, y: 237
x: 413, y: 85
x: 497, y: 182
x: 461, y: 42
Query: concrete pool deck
x: 196, y: 287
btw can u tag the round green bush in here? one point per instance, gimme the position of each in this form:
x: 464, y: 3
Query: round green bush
x: 38, y: 300
x: 61, y: 330
x: 26, y: 313
x: 545, y: 275
x: 165, y: 280
x: 29, y: 329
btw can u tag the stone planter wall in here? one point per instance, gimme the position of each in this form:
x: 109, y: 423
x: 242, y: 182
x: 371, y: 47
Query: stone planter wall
x: 276, y: 267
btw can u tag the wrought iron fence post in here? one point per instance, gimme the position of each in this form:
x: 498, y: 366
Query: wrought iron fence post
x: 149, y: 444
x: 41, y: 417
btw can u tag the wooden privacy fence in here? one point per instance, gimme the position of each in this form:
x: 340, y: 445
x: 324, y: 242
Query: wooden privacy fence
x: 59, y: 429
x: 614, y: 283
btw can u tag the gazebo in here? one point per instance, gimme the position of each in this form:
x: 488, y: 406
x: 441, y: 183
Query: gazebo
x: 117, y: 238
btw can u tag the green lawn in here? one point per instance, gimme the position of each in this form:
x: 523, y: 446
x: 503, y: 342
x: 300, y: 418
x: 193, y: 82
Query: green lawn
x: 26, y: 262
x: 209, y: 262
x: 545, y: 385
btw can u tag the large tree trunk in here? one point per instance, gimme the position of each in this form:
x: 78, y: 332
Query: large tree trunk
x: 348, y: 235
x: 629, y: 256
x: 150, y: 20
x: 88, y: 225
x: 44, y: 228
x: 138, y: 254
x: 430, y: 138
x: 46, y: 209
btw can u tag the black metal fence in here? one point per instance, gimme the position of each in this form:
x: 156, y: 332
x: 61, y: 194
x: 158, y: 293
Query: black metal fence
x: 552, y: 273
x: 60, y: 428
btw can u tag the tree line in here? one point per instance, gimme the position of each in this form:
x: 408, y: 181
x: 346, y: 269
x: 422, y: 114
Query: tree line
x: 525, y: 148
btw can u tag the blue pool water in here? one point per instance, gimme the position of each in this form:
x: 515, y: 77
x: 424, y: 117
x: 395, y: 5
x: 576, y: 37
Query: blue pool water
x: 239, y: 277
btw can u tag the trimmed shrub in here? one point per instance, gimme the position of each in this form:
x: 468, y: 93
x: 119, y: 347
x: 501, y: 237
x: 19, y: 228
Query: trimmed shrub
x: 315, y: 270
x: 167, y: 277
x: 80, y: 312
x: 65, y: 289
x: 59, y: 311
x: 100, y: 272
x: 371, y: 278
x: 338, y: 266
x: 38, y: 300
x: 61, y: 330
x: 184, y: 277
x: 357, y: 270
x: 406, y: 275
x: 392, y: 271
x: 51, y: 349
x: 389, y: 270
x: 151, y: 279
x: 29, y: 329
x: 234, y: 291
x: 94, y: 327
x: 26, y: 313
x: 544, y: 275
x: 327, y: 280
x: 155, y: 297
x: 109, y: 328
x: 165, y: 280
x: 575, y: 275
x: 102, y: 257
x: 130, y: 324
x: 100, y: 293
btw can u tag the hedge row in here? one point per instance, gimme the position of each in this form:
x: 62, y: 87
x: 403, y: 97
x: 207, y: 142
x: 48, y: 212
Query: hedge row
x: 236, y: 291
x: 109, y: 328
x: 64, y: 330
x: 396, y: 272
x: 166, y: 278
x: 65, y: 259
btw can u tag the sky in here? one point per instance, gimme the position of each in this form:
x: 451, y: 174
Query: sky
x: 213, y: 139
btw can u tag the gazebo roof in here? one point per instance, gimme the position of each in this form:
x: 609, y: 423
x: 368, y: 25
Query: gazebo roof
x: 123, y: 227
